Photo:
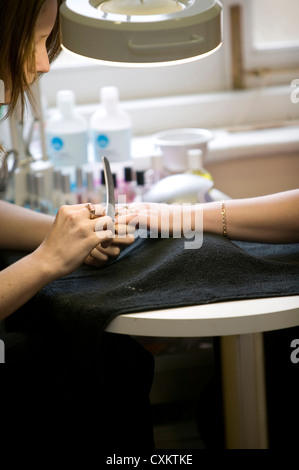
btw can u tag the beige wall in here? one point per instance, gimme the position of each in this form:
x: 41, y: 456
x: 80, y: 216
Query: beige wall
x: 256, y: 176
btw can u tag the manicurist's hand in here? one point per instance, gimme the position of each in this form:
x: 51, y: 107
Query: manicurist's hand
x: 65, y: 243
x: 74, y: 237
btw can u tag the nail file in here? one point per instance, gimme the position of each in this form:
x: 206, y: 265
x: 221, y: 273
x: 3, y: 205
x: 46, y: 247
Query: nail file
x: 110, y: 197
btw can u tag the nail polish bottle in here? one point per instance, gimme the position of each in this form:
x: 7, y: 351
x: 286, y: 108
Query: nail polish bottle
x: 92, y: 194
x: 30, y: 192
x: 40, y: 204
x: 140, y: 186
x: 128, y: 186
x: 102, y: 187
x: 56, y: 191
x: 116, y: 188
x: 195, y: 164
x: 79, y: 185
x: 67, y: 196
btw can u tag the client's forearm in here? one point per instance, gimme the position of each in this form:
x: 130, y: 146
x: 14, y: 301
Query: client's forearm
x: 271, y: 219
x: 22, y: 229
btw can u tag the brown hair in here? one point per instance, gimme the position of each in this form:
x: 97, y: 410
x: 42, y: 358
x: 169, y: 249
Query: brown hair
x: 17, y: 28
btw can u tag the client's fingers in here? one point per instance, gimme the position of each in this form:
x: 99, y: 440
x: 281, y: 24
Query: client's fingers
x: 140, y: 220
x: 105, y: 237
x: 127, y: 218
x: 124, y: 240
x: 123, y: 229
x: 100, y: 253
x: 96, y: 263
x: 103, y: 223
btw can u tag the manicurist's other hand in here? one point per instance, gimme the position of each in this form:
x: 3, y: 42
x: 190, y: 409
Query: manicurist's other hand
x: 111, y: 249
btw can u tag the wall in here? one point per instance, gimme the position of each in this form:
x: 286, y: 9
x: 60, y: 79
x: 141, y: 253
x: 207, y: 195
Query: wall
x: 256, y: 176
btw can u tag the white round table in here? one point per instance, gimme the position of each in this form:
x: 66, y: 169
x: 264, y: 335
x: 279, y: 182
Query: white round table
x: 240, y: 324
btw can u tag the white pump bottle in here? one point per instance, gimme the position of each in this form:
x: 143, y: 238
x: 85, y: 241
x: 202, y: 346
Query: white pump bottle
x: 111, y: 128
x: 67, y: 133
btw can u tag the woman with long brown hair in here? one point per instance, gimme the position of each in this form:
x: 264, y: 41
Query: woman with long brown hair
x: 30, y: 41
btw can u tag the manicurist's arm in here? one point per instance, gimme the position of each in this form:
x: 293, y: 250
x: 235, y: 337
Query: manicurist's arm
x: 22, y: 229
x: 21, y: 281
x: 70, y: 240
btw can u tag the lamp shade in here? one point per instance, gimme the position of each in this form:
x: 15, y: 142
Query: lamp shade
x: 141, y: 32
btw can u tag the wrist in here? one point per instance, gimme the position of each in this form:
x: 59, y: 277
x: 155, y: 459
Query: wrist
x: 197, y: 211
x: 214, y: 217
x: 44, y: 265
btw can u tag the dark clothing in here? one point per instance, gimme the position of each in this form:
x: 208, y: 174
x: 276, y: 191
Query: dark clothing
x: 48, y: 394
x: 282, y: 389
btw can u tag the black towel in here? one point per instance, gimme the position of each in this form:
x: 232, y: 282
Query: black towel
x: 160, y: 273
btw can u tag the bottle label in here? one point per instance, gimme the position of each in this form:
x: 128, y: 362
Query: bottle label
x: 115, y: 145
x: 68, y: 149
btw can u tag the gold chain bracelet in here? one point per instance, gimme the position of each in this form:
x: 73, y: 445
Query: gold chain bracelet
x: 223, y: 213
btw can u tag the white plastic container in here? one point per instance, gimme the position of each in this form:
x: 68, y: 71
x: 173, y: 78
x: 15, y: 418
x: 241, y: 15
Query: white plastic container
x: 67, y: 133
x: 175, y: 143
x: 111, y: 128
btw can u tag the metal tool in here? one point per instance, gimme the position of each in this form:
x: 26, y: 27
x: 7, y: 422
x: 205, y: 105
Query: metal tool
x: 110, y: 197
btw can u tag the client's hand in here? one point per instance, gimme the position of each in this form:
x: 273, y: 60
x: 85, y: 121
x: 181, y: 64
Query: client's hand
x: 106, y: 250
x: 155, y: 217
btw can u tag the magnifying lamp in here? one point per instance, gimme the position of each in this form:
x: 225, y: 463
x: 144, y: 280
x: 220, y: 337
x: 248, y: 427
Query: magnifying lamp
x: 141, y: 32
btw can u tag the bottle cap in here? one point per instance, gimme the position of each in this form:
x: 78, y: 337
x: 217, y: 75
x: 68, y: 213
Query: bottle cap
x: 195, y: 161
x: 57, y: 179
x: 140, y: 178
x: 39, y: 183
x: 65, y: 102
x: 66, y: 183
x: 128, y: 174
x: 90, y: 183
x: 109, y: 95
x: 79, y: 177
